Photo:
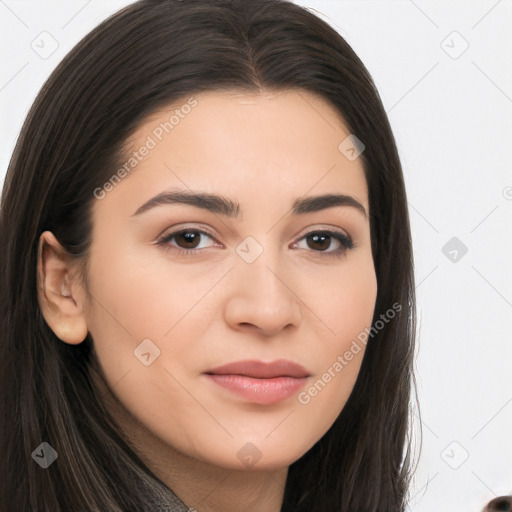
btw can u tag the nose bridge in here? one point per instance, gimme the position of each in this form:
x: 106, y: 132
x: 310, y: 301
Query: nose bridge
x: 262, y: 265
x: 262, y: 296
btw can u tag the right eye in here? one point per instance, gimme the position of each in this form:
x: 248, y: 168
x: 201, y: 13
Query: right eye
x: 186, y: 240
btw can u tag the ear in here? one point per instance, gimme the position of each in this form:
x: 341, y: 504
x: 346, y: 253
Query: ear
x: 61, y: 296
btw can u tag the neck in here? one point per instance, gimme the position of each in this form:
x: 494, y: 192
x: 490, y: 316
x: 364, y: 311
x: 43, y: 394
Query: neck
x: 207, y: 488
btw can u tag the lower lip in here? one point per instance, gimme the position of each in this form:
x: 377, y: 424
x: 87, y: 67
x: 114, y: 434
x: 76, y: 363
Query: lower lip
x: 260, y: 391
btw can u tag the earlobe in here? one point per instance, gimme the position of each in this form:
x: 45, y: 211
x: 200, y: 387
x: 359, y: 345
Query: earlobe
x: 60, y: 295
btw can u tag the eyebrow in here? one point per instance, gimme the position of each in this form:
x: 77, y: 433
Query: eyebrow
x: 223, y: 205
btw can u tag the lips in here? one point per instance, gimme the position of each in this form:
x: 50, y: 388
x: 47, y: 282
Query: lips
x: 260, y: 370
x: 257, y: 382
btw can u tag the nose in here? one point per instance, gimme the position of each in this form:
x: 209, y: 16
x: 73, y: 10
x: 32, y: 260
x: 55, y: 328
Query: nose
x: 262, y: 298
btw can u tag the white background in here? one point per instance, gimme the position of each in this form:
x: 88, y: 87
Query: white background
x: 451, y: 112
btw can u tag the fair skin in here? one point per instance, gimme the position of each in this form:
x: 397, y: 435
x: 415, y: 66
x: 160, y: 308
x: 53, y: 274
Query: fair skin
x: 299, y: 300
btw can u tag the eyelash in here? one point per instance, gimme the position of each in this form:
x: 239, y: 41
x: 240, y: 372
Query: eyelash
x: 346, y: 242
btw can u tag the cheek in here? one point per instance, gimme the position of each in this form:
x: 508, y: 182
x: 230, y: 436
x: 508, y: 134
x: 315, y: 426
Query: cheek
x: 127, y: 308
x: 138, y: 298
x: 134, y: 303
x: 346, y: 307
x: 345, y: 300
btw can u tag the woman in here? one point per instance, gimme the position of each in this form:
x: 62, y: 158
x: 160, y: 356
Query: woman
x: 267, y: 370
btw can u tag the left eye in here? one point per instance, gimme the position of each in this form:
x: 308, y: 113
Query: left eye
x: 187, y: 241
x: 325, y: 238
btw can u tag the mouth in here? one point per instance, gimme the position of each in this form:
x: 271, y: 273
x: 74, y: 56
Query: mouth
x: 259, y: 382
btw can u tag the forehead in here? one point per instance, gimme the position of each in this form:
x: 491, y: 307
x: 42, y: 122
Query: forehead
x: 271, y: 143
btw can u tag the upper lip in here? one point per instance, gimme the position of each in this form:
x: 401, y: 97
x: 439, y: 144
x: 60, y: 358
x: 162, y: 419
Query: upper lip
x: 261, y: 370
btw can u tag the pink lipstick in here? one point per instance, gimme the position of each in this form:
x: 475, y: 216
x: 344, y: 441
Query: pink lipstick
x: 259, y: 382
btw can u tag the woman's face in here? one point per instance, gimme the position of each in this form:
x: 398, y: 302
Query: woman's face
x: 260, y: 281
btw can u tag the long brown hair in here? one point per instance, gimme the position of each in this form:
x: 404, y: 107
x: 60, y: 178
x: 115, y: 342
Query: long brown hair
x: 142, y: 58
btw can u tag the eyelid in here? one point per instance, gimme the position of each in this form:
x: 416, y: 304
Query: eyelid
x: 203, y: 228
x: 324, y: 227
x: 173, y: 230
